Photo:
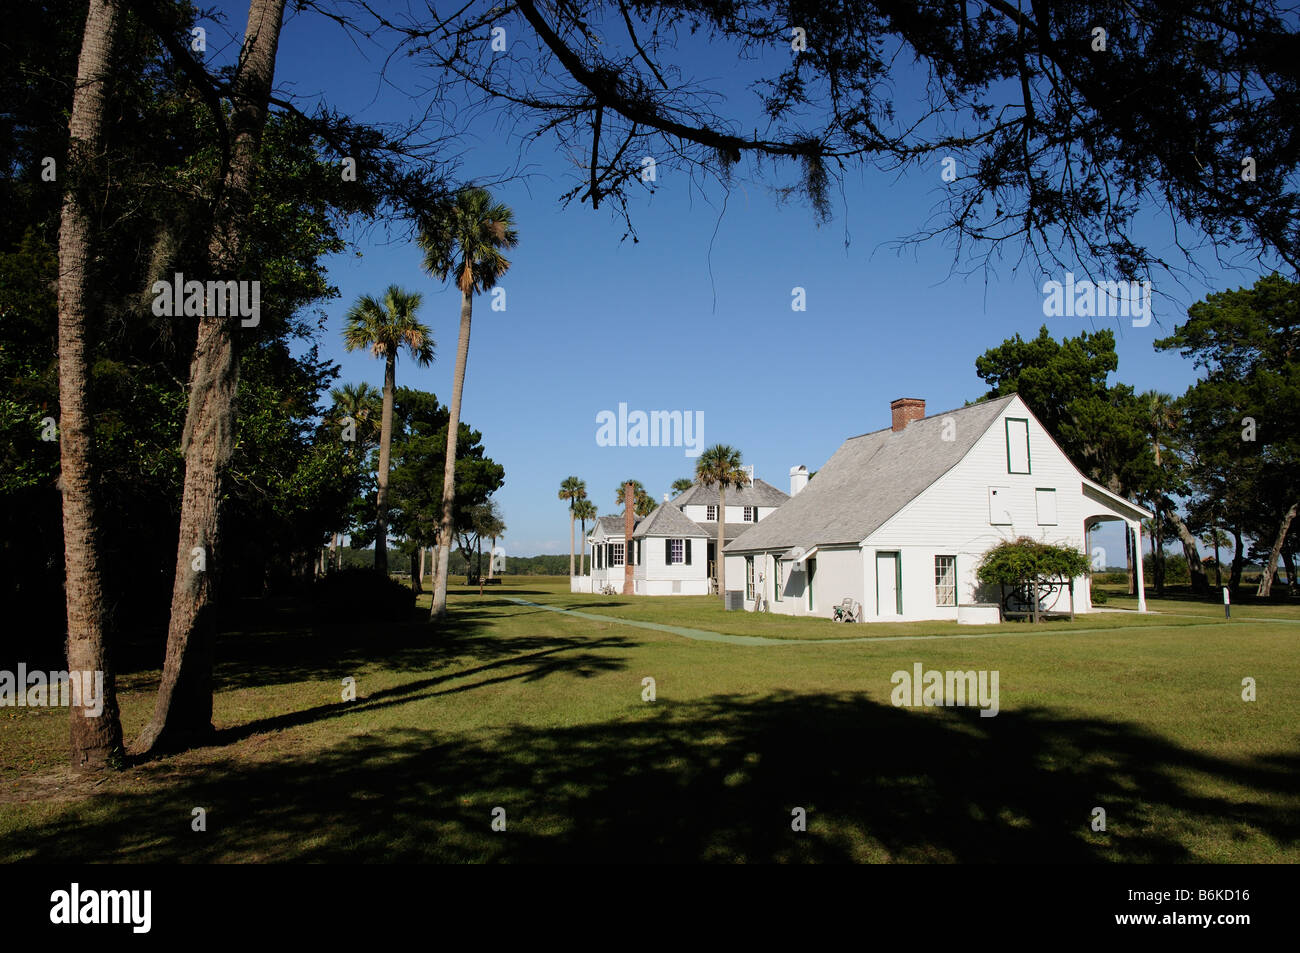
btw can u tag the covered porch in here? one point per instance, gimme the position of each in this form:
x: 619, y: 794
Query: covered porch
x: 1101, y: 505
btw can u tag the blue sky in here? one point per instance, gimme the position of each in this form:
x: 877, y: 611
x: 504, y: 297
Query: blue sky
x: 696, y: 316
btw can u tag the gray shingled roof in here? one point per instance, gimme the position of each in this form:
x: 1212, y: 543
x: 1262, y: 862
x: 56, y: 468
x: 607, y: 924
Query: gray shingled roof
x: 613, y: 525
x: 734, y: 530
x: 667, y: 520
x: 761, y: 493
x: 869, y: 479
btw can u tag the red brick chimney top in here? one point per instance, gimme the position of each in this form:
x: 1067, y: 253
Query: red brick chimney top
x: 905, y: 410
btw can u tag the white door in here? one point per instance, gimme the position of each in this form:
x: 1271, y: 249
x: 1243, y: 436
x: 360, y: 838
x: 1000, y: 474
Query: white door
x: 887, y: 584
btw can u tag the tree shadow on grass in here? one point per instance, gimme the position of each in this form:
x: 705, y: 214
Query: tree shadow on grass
x: 714, y: 780
x: 294, y: 649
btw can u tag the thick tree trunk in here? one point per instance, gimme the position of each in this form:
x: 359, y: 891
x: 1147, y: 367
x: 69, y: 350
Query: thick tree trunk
x: 385, y: 455
x: 1200, y: 583
x: 417, y: 560
x: 332, y: 561
x: 572, y: 542
x: 1266, y: 580
x: 183, y: 710
x: 1288, y: 560
x: 96, y: 740
x: 1238, y: 559
x: 439, y: 607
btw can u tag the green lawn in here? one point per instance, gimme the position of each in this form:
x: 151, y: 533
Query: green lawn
x: 542, y: 714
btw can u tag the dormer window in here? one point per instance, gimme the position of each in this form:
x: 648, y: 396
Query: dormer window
x: 751, y: 514
x: 710, y: 514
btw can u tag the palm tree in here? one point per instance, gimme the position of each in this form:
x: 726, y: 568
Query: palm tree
x: 495, y: 527
x: 486, y: 522
x: 682, y: 485
x: 385, y: 327
x: 183, y: 707
x: 463, y: 238
x: 95, y: 741
x: 573, y: 490
x: 643, y: 504
x: 720, y: 466
x: 362, y: 405
x: 585, y: 510
x: 1218, y: 539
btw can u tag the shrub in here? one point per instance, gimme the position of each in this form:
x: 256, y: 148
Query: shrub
x: 1099, y: 597
x: 361, y: 595
x: 1020, y: 560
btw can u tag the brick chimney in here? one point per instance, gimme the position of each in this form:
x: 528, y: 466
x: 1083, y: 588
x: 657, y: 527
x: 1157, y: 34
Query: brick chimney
x: 905, y: 410
x: 629, y: 500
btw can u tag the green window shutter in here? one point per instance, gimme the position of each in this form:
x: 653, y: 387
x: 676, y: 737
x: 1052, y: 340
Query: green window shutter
x: 688, y: 552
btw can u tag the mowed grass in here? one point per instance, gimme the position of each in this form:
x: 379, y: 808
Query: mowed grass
x: 542, y: 714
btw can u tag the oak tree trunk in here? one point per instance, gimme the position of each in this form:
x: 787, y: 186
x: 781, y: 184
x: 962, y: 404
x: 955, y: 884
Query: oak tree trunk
x: 1238, y: 559
x: 1266, y: 580
x: 96, y: 741
x: 1200, y: 582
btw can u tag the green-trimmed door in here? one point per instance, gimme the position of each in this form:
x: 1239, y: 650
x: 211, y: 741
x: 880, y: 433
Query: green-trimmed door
x: 889, y: 588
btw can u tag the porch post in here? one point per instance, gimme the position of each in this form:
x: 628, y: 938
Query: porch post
x: 1137, y: 559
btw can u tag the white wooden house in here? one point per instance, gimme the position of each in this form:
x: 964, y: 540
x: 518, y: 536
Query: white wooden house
x: 898, y: 519
x: 673, y: 547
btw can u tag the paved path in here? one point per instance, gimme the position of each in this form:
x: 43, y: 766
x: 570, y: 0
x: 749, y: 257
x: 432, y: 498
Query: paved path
x: 703, y: 635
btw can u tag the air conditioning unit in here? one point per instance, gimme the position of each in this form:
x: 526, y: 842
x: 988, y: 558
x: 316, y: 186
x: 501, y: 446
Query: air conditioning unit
x: 735, y: 600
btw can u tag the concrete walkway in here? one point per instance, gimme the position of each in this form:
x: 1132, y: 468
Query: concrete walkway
x: 703, y: 635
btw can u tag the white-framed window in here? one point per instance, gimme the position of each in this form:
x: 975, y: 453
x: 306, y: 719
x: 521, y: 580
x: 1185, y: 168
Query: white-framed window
x: 751, y: 514
x: 616, y: 554
x: 710, y: 514
x: 749, y: 578
x: 1045, y: 503
x: 945, y: 580
x: 676, y: 551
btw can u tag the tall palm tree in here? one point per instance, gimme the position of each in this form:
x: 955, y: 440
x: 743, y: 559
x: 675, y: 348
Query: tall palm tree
x: 385, y: 327
x: 585, y: 510
x: 720, y: 466
x: 643, y: 504
x: 573, y: 490
x: 183, y: 707
x: 682, y: 485
x: 463, y: 238
x: 95, y: 741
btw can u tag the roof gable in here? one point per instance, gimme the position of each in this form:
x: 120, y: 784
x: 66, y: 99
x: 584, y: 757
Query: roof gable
x: 761, y: 493
x: 870, y: 478
x: 667, y: 520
